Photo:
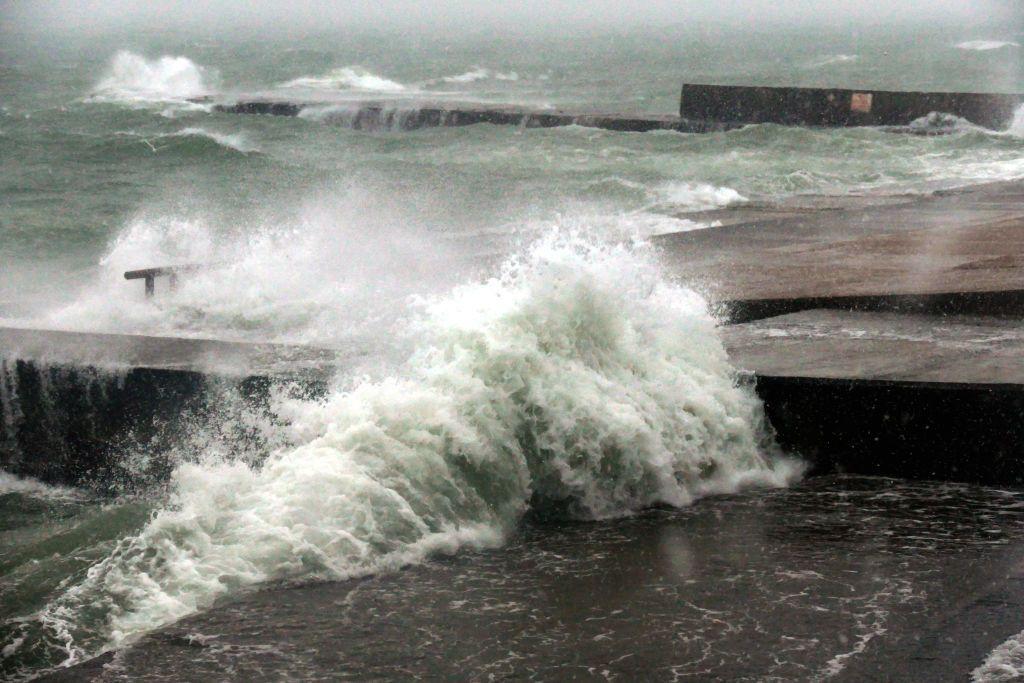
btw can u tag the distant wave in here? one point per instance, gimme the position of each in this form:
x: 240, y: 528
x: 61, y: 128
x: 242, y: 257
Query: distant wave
x: 132, y: 78
x: 358, y: 79
x: 477, y: 74
x: 348, y: 78
x: 985, y: 45
x: 236, y: 141
x: 833, y: 59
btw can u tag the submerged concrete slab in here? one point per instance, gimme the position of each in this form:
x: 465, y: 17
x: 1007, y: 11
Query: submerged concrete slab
x: 922, y: 397
x: 954, y: 251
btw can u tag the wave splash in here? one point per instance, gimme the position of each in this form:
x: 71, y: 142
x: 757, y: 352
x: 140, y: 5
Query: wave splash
x: 576, y: 380
x: 133, y: 79
x: 1016, y: 128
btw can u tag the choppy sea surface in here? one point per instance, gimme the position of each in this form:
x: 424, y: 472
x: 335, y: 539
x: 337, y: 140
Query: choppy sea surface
x: 529, y: 357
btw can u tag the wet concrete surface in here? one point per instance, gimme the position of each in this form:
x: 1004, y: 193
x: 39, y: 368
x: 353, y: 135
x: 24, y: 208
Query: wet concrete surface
x: 956, y: 241
x: 859, y: 345
x: 838, y: 578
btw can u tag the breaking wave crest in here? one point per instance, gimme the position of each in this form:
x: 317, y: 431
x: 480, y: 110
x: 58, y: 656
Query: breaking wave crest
x: 985, y: 45
x: 476, y: 74
x: 1017, y: 125
x: 237, y: 142
x: 347, y: 78
x: 832, y: 60
x: 577, y: 380
x: 133, y: 79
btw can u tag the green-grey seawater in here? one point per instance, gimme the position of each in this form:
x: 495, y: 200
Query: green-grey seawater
x: 341, y: 237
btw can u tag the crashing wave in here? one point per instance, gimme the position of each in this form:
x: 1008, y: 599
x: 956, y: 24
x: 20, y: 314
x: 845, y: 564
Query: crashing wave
x: 133, y: 79
x: 577, y: 380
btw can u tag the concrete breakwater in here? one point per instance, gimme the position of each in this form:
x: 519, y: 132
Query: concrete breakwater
x: 840, y: 106
x: 703, y: 109
x: 109, y: 411
x: 374, y: 116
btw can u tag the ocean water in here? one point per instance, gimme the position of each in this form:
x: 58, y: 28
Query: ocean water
x: 525, y: 355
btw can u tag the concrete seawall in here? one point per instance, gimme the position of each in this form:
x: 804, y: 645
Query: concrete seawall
x: 372, y: 116
x: 915, y: 396
x: 115, y: 411
x: 703, y: 109
x: 840, y: 107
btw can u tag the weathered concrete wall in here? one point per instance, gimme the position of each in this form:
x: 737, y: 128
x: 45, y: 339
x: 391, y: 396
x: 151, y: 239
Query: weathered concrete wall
x: 838, y: 106
x: 116, y: 411
x: 374, y: 117
x: 121, y: 429
x: 966, y: 432
x: 898, y: 395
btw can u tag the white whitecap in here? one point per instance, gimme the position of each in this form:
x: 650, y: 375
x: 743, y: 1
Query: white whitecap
x: 348, y: 78
x: 1005, y: 663
x: 689, y: 196
x: 986, y: 45
x: 831, y: 60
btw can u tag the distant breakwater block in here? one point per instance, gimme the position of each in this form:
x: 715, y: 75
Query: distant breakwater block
x: 71, y: 415
x: 732, y: 104
x: 374, y: 117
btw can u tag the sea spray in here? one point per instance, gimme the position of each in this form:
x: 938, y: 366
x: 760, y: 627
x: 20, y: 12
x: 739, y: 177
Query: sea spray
x: 577, y: 380
x: 133, y: 79
x: 336, y: 271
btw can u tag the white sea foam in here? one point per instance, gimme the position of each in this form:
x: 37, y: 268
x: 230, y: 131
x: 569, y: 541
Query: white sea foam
x: 26, y: 486
x: 577, y: 377
x: 336, y: 273
x: 477, y: 74
x: 1017, y: 125
x: 688, y: 196
x: 348, y: 78
x: 1005, y: 663
x: 133, y: 79
x: 986, y: 45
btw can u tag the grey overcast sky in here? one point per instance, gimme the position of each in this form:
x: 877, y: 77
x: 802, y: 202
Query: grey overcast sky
x: 91, y: 14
